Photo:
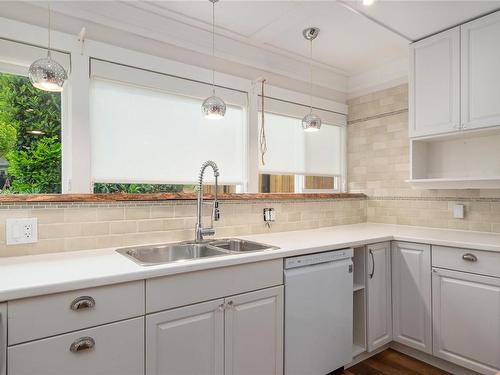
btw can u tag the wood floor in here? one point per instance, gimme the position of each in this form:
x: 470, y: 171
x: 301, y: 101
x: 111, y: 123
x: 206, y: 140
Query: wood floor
x: 391, y: 362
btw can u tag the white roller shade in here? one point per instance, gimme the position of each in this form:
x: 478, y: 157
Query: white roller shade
x: 290, y: 150
x: 147, y: 135
x: 17, y: 57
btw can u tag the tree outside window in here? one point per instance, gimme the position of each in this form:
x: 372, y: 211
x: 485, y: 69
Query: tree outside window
x: 30, y: 137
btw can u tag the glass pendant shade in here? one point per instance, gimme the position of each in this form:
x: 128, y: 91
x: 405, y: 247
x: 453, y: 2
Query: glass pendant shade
x: 47, y: 74
x: 311, y: 123
x: 213, y: 108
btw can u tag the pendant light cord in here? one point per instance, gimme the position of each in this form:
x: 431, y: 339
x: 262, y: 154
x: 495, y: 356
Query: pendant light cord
x: 310, y: 76
x: 262, y: 135
x: 213, y: 47
x: 48, y: 30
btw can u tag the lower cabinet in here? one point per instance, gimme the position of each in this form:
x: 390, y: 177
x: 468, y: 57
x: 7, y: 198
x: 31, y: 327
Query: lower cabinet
x: 242, y: 334
x: 379, y: 305
x: 466, y: 319
x: 411, y: 295
x: 3, y: 338
x: 112, y: 349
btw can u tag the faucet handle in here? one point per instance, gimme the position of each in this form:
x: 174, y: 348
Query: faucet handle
x: 215, y: 211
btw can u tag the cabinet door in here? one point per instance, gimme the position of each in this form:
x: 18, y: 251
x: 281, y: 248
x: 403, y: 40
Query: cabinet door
x: 434, y: 84
x: 411, y: 295
x: 466, y: 319
x: 254, y: 333
x: 379, y: 305
x: 480, y: 74
x: 112, y: 349
x: 186, y: 341
x: 3, y: 338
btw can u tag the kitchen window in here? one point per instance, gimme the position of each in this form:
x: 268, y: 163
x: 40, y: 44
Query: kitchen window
x: 30, y: 124
x: 147, y: 131
x: 298, y: 161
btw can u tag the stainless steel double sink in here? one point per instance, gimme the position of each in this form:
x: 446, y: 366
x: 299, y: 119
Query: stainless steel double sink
x: 184, y: 251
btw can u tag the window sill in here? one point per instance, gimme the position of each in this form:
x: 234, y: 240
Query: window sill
x: 170, y: 196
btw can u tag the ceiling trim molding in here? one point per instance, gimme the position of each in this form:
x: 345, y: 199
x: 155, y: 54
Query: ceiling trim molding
x: 230, y: 48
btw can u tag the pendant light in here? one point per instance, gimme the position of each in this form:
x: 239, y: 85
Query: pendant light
x: 311, y: 122
x: 213, y: 107
x: 47, y: 74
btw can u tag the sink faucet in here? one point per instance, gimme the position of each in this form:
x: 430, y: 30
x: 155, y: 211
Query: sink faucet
x: 199, y: 230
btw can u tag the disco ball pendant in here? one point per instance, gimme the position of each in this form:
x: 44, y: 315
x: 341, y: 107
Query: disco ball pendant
x: 311, y: 123
x: 47, y: 74
x: 213, y: 108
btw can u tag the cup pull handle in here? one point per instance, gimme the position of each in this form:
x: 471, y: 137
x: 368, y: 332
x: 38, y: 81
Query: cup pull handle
x: 469, y: 257
x: 82, y: 344
x: 82, y: 303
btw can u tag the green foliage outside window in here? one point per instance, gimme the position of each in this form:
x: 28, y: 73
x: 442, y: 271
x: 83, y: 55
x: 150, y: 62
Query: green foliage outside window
x: 34, y: 160
x: 136, y: 188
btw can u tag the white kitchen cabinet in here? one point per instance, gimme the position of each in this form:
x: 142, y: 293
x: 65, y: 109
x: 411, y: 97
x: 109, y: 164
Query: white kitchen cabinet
x: 466, y: 319
x: 480, y: 76
x: 187, y: 340
x: 242, y: 334
x: 379, y: 305
x: 411, y: 295
x: 254, y: 333
x: 3, y: 338
x: 111, y: 349
x: 434, y: 84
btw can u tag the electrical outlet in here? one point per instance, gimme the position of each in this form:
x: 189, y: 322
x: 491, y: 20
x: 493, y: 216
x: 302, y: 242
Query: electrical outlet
x: 458, y: 211
x: 20, y: 231
x: 269, y: 215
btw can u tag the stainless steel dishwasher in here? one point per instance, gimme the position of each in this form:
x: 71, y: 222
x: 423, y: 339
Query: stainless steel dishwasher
x: 318, y: 312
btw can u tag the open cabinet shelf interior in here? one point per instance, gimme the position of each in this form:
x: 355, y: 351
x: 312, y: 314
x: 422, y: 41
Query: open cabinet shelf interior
x: 466, y: 160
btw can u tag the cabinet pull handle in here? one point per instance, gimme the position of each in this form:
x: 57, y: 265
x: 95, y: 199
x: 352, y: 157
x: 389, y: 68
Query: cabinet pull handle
x: 82, y: 303
x: 82, y: 344
x: 221, y: 307
x: 230, y: 305
x: 373, y: 264
x: 469, y: 257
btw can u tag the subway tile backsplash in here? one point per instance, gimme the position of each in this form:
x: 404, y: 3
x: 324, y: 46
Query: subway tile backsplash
x: 378, y: 165
x: 64, y: 227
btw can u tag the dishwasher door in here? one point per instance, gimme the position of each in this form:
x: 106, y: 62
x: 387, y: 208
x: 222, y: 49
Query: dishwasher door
x: 318, y: 318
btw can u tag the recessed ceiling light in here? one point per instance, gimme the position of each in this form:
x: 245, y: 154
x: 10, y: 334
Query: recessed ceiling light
x: 368, y: 2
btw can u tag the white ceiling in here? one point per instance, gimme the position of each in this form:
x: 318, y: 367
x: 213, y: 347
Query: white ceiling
x: 267, y: 34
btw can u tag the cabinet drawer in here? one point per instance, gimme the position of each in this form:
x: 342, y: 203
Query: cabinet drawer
x: 117, y: 349
x: 38, y: 317
x: 179, y: 290
x: 474, y: 261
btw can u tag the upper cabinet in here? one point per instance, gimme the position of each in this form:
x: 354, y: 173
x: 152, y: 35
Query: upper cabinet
x: 454, y: 107
x: 480, y: 78
x: 454, y: 81
x: 434, y: 84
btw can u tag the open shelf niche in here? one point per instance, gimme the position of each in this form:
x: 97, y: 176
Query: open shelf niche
x: 359, y: 302
x: 464, y: 160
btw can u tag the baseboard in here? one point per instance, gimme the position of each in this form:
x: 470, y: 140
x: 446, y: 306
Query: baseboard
x: 431, y: 360
x: 365, y: 355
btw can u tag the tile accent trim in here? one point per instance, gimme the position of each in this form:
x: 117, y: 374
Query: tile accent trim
x: 381, y: 115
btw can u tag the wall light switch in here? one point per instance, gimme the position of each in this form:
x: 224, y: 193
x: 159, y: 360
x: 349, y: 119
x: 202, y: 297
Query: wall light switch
x: 19, y: 231
x: 459, y: 211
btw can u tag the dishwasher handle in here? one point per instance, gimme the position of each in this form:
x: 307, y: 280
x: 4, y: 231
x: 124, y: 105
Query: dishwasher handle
x: 373, y: 264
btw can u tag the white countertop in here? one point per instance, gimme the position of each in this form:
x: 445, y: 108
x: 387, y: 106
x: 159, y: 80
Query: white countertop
x: 34, y: 275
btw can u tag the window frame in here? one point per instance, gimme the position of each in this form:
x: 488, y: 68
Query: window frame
x: 75, y: 137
